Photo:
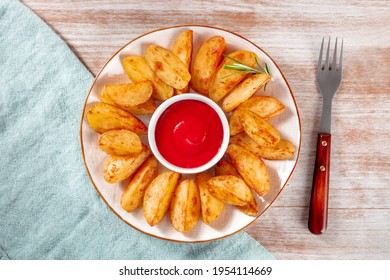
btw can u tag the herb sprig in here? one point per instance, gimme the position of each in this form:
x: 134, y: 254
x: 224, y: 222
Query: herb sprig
x: 241, y: 67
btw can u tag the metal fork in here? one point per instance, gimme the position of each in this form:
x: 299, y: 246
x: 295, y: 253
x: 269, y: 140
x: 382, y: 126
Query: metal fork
x: 329, y: 77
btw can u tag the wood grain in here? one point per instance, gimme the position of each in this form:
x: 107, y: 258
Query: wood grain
x: 290, y: 32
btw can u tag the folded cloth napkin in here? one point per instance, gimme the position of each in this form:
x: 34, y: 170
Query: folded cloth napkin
x: 49, y: 209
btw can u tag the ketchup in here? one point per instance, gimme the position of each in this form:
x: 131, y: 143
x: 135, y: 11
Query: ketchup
x: 189, y: 133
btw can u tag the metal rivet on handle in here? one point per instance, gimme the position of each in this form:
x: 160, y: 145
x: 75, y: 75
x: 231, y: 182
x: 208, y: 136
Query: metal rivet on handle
x: 324, y: 143
x: 322, y: 168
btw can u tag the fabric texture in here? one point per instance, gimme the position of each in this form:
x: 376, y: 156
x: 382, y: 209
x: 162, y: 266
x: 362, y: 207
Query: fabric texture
x: 49, y: 208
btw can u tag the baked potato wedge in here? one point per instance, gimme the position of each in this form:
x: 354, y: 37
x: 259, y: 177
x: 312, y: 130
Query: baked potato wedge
x: 251, y: 168
x: 243, y: 91
x: 130, y: 94
x: 261, y: 131
x: 119, y: 168
x: 167, y: 66
x: 133, y: 196
x: 120, y: 142
x: 103, y: 117
x: 138, y: 70
x: 206, y: 62
x: 185, y: 206
x: 211, y: 207
x: 182, y: 47
x: 158, y: 196
x: 266, y: 107
x: 229, y: 189
x: 225, y: 80
x: 224, y: 167
x: 282, y: 151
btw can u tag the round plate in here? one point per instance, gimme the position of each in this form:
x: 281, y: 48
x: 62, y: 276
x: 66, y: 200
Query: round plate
x: 231, y: 220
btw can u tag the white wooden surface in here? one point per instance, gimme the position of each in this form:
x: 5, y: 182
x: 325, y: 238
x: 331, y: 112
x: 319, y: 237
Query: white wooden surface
x: 291, y: 32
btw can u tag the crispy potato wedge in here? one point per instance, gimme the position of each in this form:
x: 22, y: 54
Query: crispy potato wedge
x: 235, y: 126
x: 224, y: 167
x: 185, y: 206
x: 225, y: 80
x: 133, y: 196
x: 229, y: 189
x: 243, y: 91
x: 120, y: 142
x: 129, y: 94
x: 266, y: 107
x: 146, y: 108
x: 206, y: 62
x: 281, y: 151
x: 119, y: 168
x: 167, y: 66
x: 103, y: 117
x: 210, y: 206
x: 261, y: 131
x: 251, y: 168
x: 138, y: 70
x: 158, y: 196
x: 182, y: 47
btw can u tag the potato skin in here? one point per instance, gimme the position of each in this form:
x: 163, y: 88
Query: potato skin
x: 211, y: 207
x: 185, y: 206
x: 229, y: 189
x: 206, y: 62
x: 104, y: 117
x: 167, y: 66
x: 119, y: 168
x: 251, y: 168
x: 223, y: 81
x: 138, y: 70
x: 130, y: 94
x: 182, y: 47
x: 133, y: 196
x: 120, y: 142
x: 158, y: 196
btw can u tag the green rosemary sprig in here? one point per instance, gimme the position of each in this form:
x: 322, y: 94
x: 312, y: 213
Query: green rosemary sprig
x: 241, y: 67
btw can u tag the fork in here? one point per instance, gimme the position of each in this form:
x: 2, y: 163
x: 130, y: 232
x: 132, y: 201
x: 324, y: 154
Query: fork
x: 329, y: 77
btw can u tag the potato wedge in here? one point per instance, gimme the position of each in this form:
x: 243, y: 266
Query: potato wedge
x: 185, y: 206
x: 138, y: 70
x: 120, y: 142
x: 281, y: 151
x: 211, y: 207
x: 206, y: 62
x: 229, y: 189
x: 146, y: 108
x: 224, y: 167
x: 243, y: 91
x: 251, y: 168
x: 103, y: 117
x: 133, y: 196
x: 235, y: 126
x: 266, y: 107
x: 223, y: 81
x: 129, y: 94
x: 167, y: 66
x: 119, y: 168
x: 261, y: 131
x: 182, y: 47
x: 158, y: 196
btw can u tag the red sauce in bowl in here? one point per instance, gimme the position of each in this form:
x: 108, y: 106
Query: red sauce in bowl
x: 189, y: 133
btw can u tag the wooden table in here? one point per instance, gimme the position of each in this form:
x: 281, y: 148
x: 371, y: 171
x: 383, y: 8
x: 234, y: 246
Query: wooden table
x: 291, y: 32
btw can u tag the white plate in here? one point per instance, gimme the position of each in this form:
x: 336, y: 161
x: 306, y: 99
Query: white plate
x: 231, y: 220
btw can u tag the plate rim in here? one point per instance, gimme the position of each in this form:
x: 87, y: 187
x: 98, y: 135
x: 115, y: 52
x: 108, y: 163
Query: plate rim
x: 175, y: 27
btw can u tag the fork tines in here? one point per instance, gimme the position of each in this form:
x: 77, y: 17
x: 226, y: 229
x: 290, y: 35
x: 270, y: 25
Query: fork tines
x: 326, y: 64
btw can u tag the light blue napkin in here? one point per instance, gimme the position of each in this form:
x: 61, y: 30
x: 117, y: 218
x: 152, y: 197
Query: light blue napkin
x: 49, y: 209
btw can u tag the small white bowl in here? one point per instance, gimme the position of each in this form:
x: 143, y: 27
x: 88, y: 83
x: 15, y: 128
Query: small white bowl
x: 163, y: 107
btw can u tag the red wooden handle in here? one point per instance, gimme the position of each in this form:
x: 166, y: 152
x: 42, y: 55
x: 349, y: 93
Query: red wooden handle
x: 318, y: 214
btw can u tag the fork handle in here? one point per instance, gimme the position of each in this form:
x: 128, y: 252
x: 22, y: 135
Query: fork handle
x: 318, y: 213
